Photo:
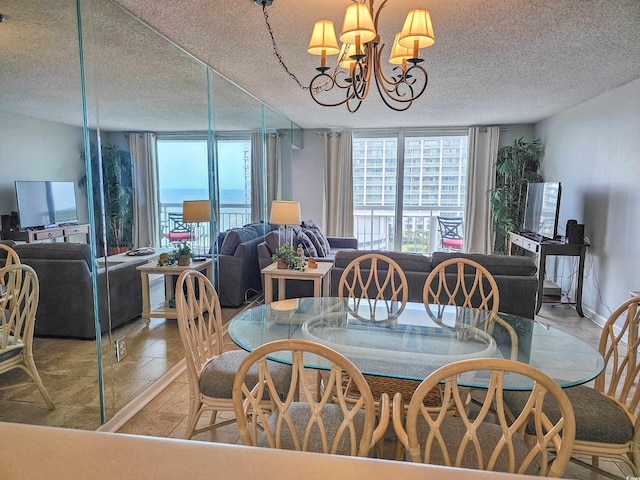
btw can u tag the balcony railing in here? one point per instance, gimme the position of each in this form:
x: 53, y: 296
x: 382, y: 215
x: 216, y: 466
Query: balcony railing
x: 231, y: 216
x: 374, y: 227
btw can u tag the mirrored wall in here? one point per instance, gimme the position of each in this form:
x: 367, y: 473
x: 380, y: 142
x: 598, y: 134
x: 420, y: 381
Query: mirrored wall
x: 138, y: 127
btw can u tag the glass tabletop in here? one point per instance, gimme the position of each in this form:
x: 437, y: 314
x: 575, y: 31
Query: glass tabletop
x: 382, y: 339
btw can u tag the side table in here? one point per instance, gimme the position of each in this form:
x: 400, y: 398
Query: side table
x: 319, y: 276
x: 163, y: 310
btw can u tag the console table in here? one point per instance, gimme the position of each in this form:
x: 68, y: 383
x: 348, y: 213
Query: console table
x: 52, y: 233
x: 542, y: 249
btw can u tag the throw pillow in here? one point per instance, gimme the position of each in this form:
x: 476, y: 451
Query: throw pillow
x: 323, y: 238
x: 307, y: 245
x: 317, y: 243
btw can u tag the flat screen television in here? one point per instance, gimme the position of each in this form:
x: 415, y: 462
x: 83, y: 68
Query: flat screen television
x: 45, y: 204
x: 541, y: 209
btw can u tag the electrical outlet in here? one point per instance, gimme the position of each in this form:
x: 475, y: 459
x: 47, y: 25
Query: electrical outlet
x: 121, y: 348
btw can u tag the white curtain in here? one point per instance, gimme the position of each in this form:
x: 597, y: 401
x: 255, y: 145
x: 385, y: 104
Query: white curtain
x: 479, y: 233
x: 145, y: 190
x: 264, y: 174
x: 338, y: 183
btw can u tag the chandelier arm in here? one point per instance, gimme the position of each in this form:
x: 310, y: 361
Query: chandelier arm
x: 375, y: 19
x: 331, y: 82
x: 391, y: 87
x: 365, y: 66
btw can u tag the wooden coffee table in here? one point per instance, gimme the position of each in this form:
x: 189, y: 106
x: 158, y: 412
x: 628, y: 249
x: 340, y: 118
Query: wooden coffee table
x: 163, y: 310
x: 317, y: 275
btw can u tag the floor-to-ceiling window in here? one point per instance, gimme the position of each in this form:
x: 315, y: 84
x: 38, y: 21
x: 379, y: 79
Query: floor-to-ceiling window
x: 433, y: 184
x: 182, y: 175
x: 234, y: 178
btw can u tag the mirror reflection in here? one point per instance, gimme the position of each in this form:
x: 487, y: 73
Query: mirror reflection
x: 158, y: 133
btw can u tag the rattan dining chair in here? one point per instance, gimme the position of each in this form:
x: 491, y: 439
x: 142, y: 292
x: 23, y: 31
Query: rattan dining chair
x: 296, y: 420
x: 374, y: 279
x: 210, y: 369
x: 10, y: 256
x: 606, y: 415
x: 18, y: 306
x: 477, y: 440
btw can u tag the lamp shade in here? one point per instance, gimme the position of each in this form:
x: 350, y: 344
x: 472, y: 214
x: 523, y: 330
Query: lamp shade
x: 194, y: 211
x: 399, y: 53
x: 323, y: 39
x: 417, y: 27
x: 357, y: 22
x: 285, y: 212
x: 346, y: 53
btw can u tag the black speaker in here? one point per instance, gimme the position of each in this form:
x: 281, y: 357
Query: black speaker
x: 575, y: 232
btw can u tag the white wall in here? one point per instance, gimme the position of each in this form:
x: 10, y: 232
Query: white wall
x: 38, y: 150
x: 594, y: 150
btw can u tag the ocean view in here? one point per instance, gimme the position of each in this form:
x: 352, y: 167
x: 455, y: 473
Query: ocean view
x: 179, y: 195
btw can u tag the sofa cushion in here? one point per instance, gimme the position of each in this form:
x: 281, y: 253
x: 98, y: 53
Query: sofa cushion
x: 408, y: 262
x: 496, y: 264
x: 235, y: 237
x: 54, y: 251
x: 307, y: 245
x: 277, y: 237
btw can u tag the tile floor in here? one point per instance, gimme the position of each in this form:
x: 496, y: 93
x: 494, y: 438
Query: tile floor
x: 166, y: 414
x: 69, y: 369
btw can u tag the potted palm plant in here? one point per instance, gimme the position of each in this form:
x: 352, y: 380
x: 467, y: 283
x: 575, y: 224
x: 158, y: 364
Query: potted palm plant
x: 117, y: 189
x: 517, y: 166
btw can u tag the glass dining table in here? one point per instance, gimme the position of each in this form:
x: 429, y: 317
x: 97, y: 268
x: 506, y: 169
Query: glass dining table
x: 387, y: 340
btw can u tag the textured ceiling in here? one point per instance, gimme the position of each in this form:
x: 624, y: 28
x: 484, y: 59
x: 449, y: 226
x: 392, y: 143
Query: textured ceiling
x: 494, y: 61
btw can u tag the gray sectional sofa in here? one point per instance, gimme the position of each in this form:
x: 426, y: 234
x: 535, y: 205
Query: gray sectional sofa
x: 515, y: 276
x: 65, y: 308
x: 237, y: 267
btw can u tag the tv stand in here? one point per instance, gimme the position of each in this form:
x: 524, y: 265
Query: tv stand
x: 33, y: 236
x: 544, y: 247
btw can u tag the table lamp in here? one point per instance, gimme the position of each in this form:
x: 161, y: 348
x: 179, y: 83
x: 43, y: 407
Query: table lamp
x: 197, y: 211
x: 285, y: 212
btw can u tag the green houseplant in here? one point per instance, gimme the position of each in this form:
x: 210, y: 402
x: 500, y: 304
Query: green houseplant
x: 517, y: 165
x: 117, y: 189
x: 286, y: 257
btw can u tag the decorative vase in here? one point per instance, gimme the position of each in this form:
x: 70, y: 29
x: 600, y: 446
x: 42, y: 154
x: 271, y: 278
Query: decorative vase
x: 184, y: 261
x: 281, y: 263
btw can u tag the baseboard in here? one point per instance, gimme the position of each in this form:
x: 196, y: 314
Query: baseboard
x: 127, y: 412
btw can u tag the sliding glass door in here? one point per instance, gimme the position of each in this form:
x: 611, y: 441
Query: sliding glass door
x: 432, y: 184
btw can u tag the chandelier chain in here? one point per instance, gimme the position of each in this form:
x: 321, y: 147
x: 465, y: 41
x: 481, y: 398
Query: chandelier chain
x: 276, y: 53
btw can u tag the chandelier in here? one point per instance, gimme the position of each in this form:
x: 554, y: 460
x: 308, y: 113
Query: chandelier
x: 360, y: 58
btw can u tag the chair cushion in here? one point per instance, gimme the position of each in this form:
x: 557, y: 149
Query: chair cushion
x: 13, y: 351
x: 452, y: 242
x: 300, y: 412
x: 216, y: 379
x: 598, y: 418
x: 453, y: 430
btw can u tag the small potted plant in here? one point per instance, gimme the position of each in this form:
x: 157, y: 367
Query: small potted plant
x: 182, y: 251
x: 286, y: 257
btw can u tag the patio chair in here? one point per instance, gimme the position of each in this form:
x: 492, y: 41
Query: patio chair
x: 18, y: 305
x: 606, y: 415
x: 451, y: 238
x: 295, y: 420
x: 179, y: 230
x: 210, y: 369
x: 486, y: 440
